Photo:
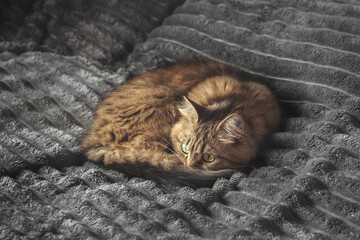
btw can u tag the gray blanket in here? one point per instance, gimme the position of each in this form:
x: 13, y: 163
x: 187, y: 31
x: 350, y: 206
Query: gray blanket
x: 60, y: 58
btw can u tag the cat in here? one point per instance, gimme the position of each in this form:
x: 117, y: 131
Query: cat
x: 191, y: 122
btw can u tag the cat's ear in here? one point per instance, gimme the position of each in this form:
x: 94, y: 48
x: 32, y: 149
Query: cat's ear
x: 231, y: 128
x: 191, y: 110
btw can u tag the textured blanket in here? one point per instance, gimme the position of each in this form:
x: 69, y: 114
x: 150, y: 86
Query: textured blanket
x: 60, y: 58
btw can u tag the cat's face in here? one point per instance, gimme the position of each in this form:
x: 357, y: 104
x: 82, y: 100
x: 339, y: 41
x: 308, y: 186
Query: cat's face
x: 210, y: 143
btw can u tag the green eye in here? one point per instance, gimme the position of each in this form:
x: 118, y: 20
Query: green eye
x: 208, y: 157
x: 184, y: 148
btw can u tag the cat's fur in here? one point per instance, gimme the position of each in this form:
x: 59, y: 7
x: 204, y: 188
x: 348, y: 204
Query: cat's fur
x: 211, y: 107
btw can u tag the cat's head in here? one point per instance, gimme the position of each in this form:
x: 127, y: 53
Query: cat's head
x: 207, y: 142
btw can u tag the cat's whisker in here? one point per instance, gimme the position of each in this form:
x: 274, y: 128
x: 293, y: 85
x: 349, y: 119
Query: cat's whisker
x: 162, y: 138
x: 243, y: 134
x: 166, y: 147
x: 171, y: 150
x: 167, y: 141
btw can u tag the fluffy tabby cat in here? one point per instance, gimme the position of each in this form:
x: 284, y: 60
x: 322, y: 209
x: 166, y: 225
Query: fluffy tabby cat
x: 190, y: 122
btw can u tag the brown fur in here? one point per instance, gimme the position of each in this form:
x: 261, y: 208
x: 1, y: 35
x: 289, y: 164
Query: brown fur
x: 145, y: 121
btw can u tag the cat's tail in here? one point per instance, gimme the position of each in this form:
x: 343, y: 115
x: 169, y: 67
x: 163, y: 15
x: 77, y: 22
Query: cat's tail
x: 180, y: 175
x: 162, y: 168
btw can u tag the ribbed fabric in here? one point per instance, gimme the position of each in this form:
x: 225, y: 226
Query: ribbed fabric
x: 306, y: 51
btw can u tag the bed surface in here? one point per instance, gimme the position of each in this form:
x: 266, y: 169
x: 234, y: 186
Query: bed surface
x: 59, y: 59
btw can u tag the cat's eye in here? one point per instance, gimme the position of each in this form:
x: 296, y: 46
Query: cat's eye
x: 208, y: 157
x: 184, y: 148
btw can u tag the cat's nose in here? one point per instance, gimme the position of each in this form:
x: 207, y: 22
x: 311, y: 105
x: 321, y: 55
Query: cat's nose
x: 192, y: 160
x: 188, y: 163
